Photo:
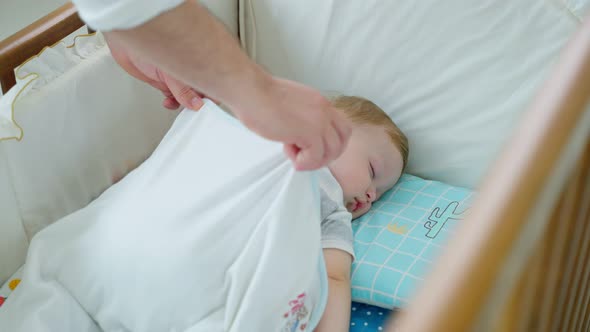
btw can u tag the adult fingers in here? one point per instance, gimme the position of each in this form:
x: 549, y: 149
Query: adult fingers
x: 328, y: 147
x: 185, y: 95
x: 291, y: 151
x: 122, y: 58
x: 311, y: 155
x: 170, y: 103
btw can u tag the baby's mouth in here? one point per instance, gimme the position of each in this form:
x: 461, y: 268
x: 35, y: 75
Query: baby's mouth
x: 357, y: 205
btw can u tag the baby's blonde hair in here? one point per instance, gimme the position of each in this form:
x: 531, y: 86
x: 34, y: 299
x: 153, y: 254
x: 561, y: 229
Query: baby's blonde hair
x: 364, y: 112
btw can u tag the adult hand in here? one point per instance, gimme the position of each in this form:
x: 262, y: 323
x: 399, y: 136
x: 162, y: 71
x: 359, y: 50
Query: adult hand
x: 312, y: 130
x: 210, y: 61
x: 176, y: 93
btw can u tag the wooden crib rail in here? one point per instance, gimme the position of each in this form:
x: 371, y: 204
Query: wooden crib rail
x: 31, y: 40
x: 521, y: 260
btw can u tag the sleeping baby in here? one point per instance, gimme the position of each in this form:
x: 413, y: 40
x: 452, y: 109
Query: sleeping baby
x: 371, y: 164
x: 215, y: 231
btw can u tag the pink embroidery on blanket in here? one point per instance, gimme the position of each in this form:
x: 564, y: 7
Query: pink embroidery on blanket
x: 298, y: 316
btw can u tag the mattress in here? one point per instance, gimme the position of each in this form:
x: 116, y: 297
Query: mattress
x: 368, y: 318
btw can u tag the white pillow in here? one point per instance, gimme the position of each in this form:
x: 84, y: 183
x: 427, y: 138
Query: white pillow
x: 455, y: 75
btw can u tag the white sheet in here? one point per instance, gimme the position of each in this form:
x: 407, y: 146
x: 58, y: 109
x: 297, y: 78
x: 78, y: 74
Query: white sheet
x: 456, y: 76
x: 214, y: 232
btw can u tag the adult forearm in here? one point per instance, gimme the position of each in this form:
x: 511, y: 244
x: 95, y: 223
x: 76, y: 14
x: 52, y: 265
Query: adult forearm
x: 186, y: 53
x: 190, y: 44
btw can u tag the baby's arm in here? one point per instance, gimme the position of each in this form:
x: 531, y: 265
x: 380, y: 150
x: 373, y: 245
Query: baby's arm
x: 337, y: 314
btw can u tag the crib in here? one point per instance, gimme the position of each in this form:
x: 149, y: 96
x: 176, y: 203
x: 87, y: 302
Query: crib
x: 493, y: 96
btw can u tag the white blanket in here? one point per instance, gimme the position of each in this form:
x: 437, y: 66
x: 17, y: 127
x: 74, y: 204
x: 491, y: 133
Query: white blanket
x: 214, y: 232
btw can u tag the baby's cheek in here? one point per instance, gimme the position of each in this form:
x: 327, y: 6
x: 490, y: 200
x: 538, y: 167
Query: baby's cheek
x: 346, y: 191
x: 360, y: 213
x: 355, y: 185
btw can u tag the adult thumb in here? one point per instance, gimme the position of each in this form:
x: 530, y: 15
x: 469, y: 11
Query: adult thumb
x: 310, y: 158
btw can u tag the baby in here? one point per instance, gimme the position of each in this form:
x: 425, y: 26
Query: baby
x: 371, y: 164
x: 213, y: 226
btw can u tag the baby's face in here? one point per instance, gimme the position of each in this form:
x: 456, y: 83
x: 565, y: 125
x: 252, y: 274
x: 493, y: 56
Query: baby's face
x: 369, y: 166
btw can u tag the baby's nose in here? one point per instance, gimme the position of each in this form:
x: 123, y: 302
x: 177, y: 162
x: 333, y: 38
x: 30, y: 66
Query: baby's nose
x: 371, y: 195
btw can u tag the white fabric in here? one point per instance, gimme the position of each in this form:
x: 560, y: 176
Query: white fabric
x: 108, y: 15
x: 579, y: 8
x: 214, y: 226
x: 336, y: 220
x: 13, y: 241
x: 455, y: 75
x: 83, y: 123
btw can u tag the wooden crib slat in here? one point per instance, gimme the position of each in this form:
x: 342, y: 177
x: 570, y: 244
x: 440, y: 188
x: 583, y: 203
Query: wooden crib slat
x: 7, y: 81
x: 582, y: 265
x: 526, y: 296
x: 552, y: 293
x: 455, y: 296
x: 565, y: 267
x: 582, y: 299
x: 585, y: 307
x: 538, y: 301
x: 31, y: 40
x: 553, y: 261
x: 523, y: 302
x: 567, y: 288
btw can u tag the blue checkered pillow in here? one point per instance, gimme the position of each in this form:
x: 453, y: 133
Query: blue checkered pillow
x: 397, y: 240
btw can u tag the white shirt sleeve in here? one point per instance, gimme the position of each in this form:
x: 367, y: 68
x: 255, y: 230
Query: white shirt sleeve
x: 336, y: 220
x: 108, y: 15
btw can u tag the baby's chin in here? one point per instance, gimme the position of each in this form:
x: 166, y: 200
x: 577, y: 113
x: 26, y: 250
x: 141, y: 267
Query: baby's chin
x: 360, y: 213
